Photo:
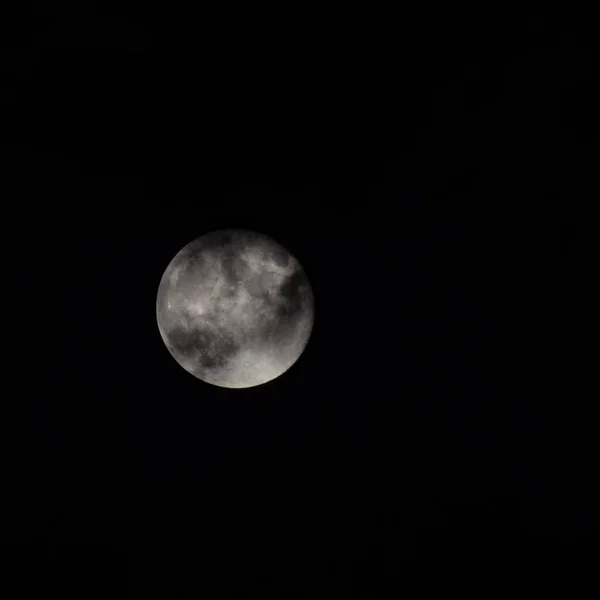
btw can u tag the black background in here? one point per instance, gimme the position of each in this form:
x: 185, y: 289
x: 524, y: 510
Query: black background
x: 435, y: 176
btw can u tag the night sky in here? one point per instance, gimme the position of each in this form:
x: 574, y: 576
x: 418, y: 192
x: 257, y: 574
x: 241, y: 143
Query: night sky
x: 435, y: 179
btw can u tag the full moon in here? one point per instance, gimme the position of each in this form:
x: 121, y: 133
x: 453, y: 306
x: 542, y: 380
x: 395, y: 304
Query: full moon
x: 234, y: 308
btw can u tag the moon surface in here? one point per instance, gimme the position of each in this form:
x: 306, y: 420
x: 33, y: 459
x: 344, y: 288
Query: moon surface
x: 235, y: 308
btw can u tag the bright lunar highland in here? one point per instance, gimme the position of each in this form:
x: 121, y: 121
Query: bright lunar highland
x: 235, y: 308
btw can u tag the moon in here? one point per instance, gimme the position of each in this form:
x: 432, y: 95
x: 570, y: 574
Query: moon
x: 235, y: 308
